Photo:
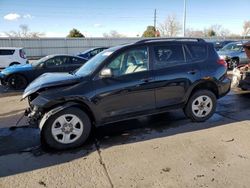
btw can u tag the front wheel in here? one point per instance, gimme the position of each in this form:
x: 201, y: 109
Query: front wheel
x: 201, y: 106
x: 17, y: 81
x: 66, y: 129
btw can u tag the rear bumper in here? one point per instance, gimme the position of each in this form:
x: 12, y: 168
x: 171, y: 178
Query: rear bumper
x: 224, y: 87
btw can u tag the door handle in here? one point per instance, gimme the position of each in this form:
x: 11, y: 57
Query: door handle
x: 192, y: 72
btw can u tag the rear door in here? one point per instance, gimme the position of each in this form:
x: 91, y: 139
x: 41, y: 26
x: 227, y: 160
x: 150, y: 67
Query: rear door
x: 6, y: 57
x: 173, y: 73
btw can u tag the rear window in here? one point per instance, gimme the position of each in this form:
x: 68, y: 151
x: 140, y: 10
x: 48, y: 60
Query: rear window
x: 197, y: 52
x: 7, y: 52
x: 168, y: 55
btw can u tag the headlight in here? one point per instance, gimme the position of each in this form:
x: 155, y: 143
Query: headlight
x: 39, y: 101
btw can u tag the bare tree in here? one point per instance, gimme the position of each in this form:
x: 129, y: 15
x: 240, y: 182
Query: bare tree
x: 170, y: 27
x: 24, y: 32
x: 220, y: 31
x: 113, y: 34
x: 194, y: 33
x: 246, y: 28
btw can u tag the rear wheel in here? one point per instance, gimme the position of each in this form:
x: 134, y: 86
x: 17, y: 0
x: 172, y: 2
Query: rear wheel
x: 201, y: 105
x: 17, y: 81
x: 66, y: 129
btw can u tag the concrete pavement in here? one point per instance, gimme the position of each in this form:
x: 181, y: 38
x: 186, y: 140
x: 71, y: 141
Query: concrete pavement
x: 160, y: 151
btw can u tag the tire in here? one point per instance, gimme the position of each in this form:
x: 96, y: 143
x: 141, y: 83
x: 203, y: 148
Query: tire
x: 65, y: 134
x: 233, y: 64
x: 17, y: 81
x: 14, y: 63
x: 197, y: 110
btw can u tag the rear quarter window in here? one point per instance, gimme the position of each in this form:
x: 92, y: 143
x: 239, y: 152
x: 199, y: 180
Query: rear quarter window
x: 7, y: 52
x: 197, y: 52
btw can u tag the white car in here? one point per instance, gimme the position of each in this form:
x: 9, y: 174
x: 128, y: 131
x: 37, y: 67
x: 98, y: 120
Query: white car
x: 12, y: 56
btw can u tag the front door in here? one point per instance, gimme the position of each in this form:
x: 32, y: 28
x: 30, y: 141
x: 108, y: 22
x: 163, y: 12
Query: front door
x: 129, y: 92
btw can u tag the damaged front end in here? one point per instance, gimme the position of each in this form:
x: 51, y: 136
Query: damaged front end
x: 35, y: 111
x: 45, y: 92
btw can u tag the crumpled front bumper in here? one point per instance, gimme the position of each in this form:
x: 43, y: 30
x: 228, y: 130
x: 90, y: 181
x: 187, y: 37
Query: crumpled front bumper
x: 34, y: 115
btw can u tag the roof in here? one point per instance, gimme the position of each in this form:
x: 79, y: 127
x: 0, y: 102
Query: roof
x: 11, y: 48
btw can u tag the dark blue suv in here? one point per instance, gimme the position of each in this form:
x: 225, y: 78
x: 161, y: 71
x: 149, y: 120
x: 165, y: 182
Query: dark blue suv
x: 124, y: 82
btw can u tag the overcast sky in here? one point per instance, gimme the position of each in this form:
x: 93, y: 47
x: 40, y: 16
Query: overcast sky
x: 130, y: 17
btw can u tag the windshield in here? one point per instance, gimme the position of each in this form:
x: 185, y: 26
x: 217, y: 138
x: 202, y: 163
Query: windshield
x: 38, y: 62
x: 232, y: 47
x: 92, y: 64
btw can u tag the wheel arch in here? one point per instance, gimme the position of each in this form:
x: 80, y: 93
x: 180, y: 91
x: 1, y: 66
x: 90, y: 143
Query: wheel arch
x: 203, y: 85
x: 14, y: 63
x: 16, y: 73
x: 61, y: 106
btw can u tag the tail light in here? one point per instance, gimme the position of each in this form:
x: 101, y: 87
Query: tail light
x: 222, y: 62
x: 22, y: 54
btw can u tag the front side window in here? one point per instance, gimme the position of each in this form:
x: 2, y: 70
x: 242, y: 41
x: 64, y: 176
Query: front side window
x: 168, y: 55
x: 129, y: 62
x: 232, y: 47
x: 57, y: 61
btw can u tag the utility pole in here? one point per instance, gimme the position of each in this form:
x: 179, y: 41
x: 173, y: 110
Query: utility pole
x: 155, y: 19
x: 184, y: 19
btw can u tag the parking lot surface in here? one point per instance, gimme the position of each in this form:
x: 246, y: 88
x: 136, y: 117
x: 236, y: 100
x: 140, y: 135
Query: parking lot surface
x: 166, y: 150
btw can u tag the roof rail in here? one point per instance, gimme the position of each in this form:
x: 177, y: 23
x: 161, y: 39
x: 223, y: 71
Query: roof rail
x: 170, y: 39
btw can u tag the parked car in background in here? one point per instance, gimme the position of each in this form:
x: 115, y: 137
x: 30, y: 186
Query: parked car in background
x: 88, y: 54
x: 234, y: 54
x: 220, y: 44
x: 19, y: 76
x: 12, y: 56
x: 241, y: 74
x: 147, y: 77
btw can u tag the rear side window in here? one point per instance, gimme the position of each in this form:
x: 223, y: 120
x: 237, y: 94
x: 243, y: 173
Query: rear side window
x: 168, y: 55
x: 77, y: 61
x: 197, y: 52
x: 7, y: 52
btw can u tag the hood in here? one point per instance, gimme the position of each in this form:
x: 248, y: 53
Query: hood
x: 17, y: 68
x: 50, y: 80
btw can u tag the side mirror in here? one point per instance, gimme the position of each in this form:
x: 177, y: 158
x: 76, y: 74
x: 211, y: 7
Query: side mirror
x: 106, y: 73
x: 42, y: 65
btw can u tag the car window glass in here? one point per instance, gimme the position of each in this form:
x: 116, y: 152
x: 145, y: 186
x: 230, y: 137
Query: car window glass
x: 94, y: 52
x: 7, y: 52
x: 57, y: 61
x: 197, y: 51
x: 129, y: 62
x: 168, y: 55
x: 77, y: 61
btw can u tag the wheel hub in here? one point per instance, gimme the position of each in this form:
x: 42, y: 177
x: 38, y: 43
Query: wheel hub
x: 67, y: 128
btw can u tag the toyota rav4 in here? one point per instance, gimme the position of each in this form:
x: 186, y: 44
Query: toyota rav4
x: 148, y: 77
